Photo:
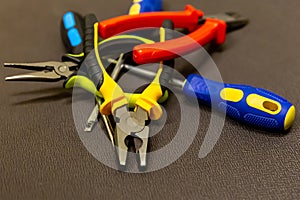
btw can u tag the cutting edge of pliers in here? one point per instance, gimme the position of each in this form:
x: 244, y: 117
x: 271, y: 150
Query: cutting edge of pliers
x: 44, y: 71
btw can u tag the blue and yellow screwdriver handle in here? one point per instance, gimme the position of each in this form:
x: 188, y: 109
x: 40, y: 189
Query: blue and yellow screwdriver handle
x: 141, y: 6
x: 247, y: 104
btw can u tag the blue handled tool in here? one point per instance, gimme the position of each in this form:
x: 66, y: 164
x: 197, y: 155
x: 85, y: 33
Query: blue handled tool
x: 73, y: 26
x: 141, y: 6
x: 72, y: 32
x: 247, y: 104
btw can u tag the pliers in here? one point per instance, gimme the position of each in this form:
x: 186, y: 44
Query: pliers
x: 46, y: 71
x: 63, y: 70
x: 128, y: 123
x: 203, y: 30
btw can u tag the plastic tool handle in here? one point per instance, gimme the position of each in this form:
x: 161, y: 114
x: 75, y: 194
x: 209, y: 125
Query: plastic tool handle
x: 72, y: 32
x: 188, y: 18
x: 91, y: 64
x: 109, y: 45
x: 212, y: 30
x: 89, y: 21
x: 141, y: 6
x: 250, y: 105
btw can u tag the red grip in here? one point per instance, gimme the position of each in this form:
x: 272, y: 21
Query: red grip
x: 188, y: 18
x: 211, y: 30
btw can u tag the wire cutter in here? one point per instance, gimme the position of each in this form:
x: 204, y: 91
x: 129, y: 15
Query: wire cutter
x: 203, y: 30
x: 128, y: 123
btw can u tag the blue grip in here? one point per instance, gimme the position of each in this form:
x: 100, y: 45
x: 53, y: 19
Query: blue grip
x: 69, y: 20
x: 146, y: 6
x: 72, y: 32
x: 74, y: 37
x: 247, y: 104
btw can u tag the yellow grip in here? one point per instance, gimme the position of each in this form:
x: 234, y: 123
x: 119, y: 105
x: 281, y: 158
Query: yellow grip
x: 113, y: 94
x: 148, y: 99
x: 150, y: 96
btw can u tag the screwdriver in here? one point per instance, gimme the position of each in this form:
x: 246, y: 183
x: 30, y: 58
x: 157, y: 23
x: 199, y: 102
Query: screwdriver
x: 246, y: 104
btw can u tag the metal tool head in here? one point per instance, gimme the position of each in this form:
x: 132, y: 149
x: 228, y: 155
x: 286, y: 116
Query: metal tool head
x: 233, y: 20
x: 131, y: 124
x: 45, y: 71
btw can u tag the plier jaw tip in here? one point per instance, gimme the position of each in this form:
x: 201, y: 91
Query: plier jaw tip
x: 132, y: 124
x: 45, y: 71
x: 233, y: 20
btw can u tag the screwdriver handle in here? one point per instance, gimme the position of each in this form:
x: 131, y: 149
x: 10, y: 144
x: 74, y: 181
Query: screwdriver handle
x: 247, y: 104
x: 141, y: 6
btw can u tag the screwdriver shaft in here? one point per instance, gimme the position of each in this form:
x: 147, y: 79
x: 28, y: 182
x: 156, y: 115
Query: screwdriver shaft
x: 149, y: 74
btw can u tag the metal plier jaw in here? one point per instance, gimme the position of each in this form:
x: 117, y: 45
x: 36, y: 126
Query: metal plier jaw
x: 233, y: 20
x: 134, y: 123
x: 131, y: 124
x: 45, y: 71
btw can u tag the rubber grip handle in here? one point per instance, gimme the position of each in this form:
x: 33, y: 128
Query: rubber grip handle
x: 93, y: 70
x: 247, y: 104
x: 89, y: 21
x: 142, y: 6
x: 91, y: 64
x: 188, y: 19
x: 72, y: 32
x: 211, y: 30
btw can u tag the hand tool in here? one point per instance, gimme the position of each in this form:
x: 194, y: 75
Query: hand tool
x: 55, y: 70
x: 141, y: 6
x: 203, y: 30
x: 73, y: 25
x: 137, y: 7
x: 115, y: 103
x: 46, y: 71
x: 72, y: 32
x: 90, y: 20
x: 247, y: 104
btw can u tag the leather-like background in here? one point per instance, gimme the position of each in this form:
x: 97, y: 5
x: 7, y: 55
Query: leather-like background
x: 42, y: 157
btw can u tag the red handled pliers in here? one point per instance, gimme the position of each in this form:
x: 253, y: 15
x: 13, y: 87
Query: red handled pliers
x: 203, y: 30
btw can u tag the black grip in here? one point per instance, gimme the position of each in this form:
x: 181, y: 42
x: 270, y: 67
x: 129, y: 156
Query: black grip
x: 93, y: 69
x: 91, y: 64
x: 167, y: 72
x: 89, y: 21
x: 72, y: 32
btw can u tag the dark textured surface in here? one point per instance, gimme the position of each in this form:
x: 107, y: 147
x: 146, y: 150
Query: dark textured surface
x: 42, y: 157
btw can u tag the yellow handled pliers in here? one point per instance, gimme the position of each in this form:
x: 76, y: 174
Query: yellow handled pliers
x: 130, y: 123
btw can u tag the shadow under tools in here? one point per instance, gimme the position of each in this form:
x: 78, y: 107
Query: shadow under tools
x: 46, y: 91
x: 44, y: 99
x: 213, y: 48
x: 55, y: 94
x: 261, y: 131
